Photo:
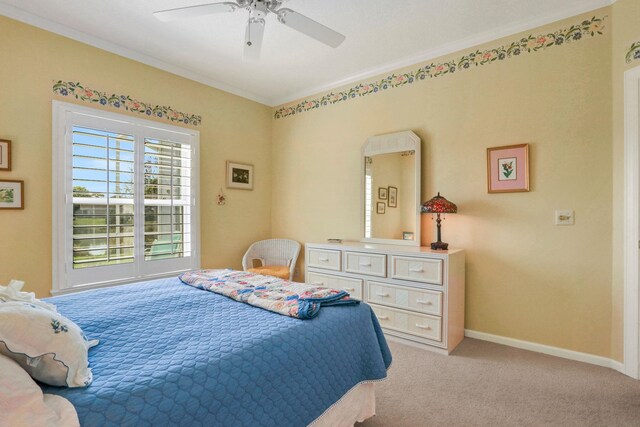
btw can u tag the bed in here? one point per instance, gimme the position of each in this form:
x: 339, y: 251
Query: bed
x: 171, y: 354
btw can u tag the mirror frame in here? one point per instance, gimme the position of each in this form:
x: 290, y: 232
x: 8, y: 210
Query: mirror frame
x: 392, y: 143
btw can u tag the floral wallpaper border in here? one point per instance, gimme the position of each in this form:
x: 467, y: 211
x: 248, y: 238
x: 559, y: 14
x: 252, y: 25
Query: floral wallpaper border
x: 87, y: 94
x: 593, y: 27
x: 634, y: 53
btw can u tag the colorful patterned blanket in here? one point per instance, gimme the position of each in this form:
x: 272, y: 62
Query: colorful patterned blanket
x: 270, y: 293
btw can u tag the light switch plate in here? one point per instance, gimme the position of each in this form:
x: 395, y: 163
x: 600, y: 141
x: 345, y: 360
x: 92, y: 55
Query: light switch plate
x: 565, y: 217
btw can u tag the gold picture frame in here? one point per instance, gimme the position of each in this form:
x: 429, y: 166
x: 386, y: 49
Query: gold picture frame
x: 508, y: 169
x: 382, y: 193
x: 11, y: 194
x: 239, y: 175
x: 5, y: 155
x: 393, y: 197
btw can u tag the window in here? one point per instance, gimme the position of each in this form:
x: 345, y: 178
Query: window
x: 124, y: 198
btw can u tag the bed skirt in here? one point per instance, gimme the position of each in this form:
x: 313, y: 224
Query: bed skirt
x: 356, y: 406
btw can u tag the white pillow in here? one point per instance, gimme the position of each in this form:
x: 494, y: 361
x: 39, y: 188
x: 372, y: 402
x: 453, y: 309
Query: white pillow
x: 50, y: 347
x: 23, y: 404
x: 12, y: 292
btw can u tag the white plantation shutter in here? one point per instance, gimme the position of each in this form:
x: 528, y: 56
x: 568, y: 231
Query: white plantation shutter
x: 103, y: 190
x: 124, y: 198
x: 167, y: 193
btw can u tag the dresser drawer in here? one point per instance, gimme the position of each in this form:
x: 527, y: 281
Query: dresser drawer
x: 421, y: 325
x: 352, y: 286
x: 324, y: 258
x: 365, y: 263
x: 417, y: 269
x: 422, y: 300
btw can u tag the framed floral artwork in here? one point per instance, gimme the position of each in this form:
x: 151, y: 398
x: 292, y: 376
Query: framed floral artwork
x: 382, y: 193
x: 11, y: 194
x: 5, y: 155
x: 393, y: 197
x: 508, y: 168
x: 239, y: 176
x: 380, y: 207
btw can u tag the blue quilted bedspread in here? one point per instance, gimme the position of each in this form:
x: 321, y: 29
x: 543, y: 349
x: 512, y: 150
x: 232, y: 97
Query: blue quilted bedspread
x: 171, y: 354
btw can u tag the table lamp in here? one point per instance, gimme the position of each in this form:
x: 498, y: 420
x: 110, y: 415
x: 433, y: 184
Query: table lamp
x: 438, y: 205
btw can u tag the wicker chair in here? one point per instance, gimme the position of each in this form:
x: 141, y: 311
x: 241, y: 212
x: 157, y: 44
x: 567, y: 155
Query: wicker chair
x: 278, y: 257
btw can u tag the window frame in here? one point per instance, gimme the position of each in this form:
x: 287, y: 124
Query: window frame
x: 64, y: 118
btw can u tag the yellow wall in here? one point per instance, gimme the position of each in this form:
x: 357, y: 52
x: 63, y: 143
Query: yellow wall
x: 526, y: 278
x: 626, y: 31
x: 232, y: 128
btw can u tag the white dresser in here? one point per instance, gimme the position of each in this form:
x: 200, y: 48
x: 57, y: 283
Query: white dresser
x: 416, y: 293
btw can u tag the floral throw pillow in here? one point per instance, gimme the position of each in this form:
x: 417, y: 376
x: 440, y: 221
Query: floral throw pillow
x: 50, y: 347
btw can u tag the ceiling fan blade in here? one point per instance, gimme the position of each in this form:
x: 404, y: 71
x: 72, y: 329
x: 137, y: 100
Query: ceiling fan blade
x: 310, y: 27
x: 253, y: 39
x: 193, y: 11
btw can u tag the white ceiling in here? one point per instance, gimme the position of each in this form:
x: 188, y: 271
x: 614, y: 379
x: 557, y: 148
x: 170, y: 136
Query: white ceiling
x: 381, y: 35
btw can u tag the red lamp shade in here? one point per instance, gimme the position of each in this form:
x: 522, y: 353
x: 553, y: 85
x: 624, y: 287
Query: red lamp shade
x: 438, y: 205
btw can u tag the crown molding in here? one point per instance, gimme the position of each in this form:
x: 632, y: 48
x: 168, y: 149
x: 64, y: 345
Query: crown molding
x: 449, y: 48
x: 54, y: 27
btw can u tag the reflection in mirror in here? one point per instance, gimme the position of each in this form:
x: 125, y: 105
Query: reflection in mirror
x: 390, y: 188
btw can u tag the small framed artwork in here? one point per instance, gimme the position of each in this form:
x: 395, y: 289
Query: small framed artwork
x: 239, y: 176
x: 393, y: 197
x: 11, y: 194
x: 407, y: 235
x: 380, y: 208
x: 382, y: 193
x: 508, y: 169
x: 5, y: 155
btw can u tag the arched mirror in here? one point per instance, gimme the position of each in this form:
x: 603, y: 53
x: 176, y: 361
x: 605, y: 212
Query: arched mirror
x: 391, y: 189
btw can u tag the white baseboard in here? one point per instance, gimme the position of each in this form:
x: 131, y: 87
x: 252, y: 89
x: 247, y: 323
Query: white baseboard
x: 547, y: 349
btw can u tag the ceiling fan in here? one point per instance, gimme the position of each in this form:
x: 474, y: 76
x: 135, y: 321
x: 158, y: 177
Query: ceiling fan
x: 258, y: 10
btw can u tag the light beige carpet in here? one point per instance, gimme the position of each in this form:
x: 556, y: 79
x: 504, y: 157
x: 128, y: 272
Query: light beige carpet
x: 486, y: 384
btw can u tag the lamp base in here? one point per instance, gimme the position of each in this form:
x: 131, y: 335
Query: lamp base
x: 439, y: 246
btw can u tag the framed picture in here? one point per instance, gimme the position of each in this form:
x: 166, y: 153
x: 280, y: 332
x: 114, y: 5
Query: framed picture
x: 382, y: 193
x: 393, y: 197
x: 239, y: 175
x: 407, y: 235
x: 11, y: 194
x: 508, y: 168
x: 5, y: 155
x: 380, y: 208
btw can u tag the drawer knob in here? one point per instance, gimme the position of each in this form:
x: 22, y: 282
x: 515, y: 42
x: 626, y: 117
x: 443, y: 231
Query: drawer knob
x: 317, y: 284
x: 426, y: 327
x: 425, y: 302
x: 417, y: 270
x: 382, y: 294
x: 383, y: 317
x: 365, y: 264
x: 350, y: 289
x: 323, y: 259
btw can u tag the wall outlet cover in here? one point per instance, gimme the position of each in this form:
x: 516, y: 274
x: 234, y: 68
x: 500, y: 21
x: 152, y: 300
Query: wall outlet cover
x: 565, y: 217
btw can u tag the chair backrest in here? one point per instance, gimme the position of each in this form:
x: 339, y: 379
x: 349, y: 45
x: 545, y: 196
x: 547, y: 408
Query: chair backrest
x: 273, y: 252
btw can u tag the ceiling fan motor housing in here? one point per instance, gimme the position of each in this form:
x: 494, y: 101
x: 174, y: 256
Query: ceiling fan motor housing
x: 258, y: 9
